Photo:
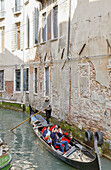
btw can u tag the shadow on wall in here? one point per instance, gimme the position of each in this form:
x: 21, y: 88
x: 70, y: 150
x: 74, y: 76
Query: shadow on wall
x: 9, y: 62
x: 8, y: 58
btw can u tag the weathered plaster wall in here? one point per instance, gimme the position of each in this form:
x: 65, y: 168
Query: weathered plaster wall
x: 80, y: 87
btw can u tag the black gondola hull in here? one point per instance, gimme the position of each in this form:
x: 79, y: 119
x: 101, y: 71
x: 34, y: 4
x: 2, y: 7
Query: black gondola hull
x: 94, y: 165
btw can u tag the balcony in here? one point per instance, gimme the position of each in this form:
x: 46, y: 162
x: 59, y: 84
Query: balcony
x: 2, y: 14
x: 17, y: 10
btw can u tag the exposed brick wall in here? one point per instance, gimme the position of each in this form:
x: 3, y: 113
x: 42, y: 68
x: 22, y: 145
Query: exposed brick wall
x: 9, y: 87
x: 89, y: 109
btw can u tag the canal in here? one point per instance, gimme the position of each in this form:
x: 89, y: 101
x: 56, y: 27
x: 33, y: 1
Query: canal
x: 26, y: 150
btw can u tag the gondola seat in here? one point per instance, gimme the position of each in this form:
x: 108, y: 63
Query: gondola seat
x: 65, y: 139
x: 43, y: 129
x: 52, y: 127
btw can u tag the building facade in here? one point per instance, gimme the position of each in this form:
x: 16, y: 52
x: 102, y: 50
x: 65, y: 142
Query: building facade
x: 60, y: 49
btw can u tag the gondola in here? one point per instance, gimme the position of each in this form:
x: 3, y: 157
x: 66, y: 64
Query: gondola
x: 78, y: 155
x: 5, y: 156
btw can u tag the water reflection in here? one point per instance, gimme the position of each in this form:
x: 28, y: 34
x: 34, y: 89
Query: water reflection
x: 27, y: 151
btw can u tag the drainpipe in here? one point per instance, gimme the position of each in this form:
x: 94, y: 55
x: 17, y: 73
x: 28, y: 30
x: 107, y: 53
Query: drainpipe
x: 70, y: 95
x: 23, y: 29
x: 68, y: 39
x: 23, y: 93
x: 68, y: 47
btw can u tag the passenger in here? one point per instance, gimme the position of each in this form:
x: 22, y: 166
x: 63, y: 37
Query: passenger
x: 59, y: 129
x: 47, y: 134
x: 56, y: 138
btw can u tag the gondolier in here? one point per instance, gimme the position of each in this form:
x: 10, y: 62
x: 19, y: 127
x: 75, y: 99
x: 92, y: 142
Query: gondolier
x: 48, y: 109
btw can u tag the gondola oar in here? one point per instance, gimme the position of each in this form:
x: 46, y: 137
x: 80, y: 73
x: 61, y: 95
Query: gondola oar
x: 28, y: 118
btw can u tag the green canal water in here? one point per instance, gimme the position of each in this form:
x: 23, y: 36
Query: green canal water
x: 27, y: 152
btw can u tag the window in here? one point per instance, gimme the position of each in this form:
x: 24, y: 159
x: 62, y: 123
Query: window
x: 18, y: 36
x: 17, y: 5
x: 25, y: 79
x: 2, y: 40
x: 28, y: 32
x: 47, y: 80
x: 2, y: 12
x: 44, y: 27
x: 35, y: 80
x: 1, y: 79
x: 17, y: 80
x: 49, y: 26
x: 55, y: 23
x: 36, y: 25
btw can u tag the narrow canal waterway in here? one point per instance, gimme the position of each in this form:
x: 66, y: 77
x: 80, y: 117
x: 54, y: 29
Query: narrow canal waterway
x: 26, y: 150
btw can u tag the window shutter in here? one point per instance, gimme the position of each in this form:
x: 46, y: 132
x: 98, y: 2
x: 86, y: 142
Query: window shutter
x: 44, y: 27
x: 2, y: 8
x: 47, y: 80
x: 18, y: 5
x: 28, y: 32
x: 1, y: 80
x: 33, y: 27
x: 0, y: 40
x: 37, y: 26
x: 21, y: 35
x: 49, y: 26
x: 13, y: 39
x: 41, y: 30
x: 55, y: 22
